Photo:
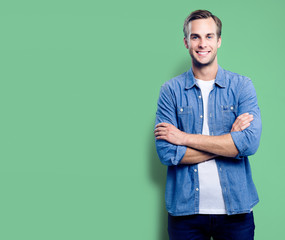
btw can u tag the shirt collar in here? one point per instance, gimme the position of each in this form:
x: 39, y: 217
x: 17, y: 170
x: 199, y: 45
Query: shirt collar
x: 191, y: 81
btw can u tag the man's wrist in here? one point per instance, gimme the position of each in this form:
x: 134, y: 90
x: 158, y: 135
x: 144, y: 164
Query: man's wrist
x: 186, y: 139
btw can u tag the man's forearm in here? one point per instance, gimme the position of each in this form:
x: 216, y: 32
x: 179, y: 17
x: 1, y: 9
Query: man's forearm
x: 219, y: 145
x: 203, y: 147
x: 193, y: 156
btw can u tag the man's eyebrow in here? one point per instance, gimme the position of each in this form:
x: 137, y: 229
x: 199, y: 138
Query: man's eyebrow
x: 196, y: 34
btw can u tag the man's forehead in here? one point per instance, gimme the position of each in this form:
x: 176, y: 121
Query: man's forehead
x: 202, y: 26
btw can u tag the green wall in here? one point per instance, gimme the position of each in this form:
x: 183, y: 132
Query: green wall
x: 79, y: 82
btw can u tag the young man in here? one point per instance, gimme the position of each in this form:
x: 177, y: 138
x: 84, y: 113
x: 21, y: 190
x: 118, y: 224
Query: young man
x: 207, y: 124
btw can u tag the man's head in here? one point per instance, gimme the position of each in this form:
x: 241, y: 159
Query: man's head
x: 202, y: 36
x: 201, y: 14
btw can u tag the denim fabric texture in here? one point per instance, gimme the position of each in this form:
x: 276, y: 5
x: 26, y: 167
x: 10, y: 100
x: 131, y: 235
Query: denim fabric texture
x: 180, y: 103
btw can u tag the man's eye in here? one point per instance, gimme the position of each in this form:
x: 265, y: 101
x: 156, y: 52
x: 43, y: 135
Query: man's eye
x: 194, y: 37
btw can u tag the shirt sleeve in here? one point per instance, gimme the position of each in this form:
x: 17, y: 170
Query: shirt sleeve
x: 169, y: 154
x: 247, y: 141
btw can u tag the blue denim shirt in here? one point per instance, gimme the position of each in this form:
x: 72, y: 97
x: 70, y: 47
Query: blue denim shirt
x: 180, y: 103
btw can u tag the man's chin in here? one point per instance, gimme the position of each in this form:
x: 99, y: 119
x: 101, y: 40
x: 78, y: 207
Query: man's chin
x: 202, y: 64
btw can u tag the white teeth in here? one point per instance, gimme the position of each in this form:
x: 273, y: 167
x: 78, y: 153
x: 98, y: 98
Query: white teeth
x: 203, y: 53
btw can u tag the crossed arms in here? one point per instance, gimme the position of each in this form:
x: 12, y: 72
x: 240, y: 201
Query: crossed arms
x: 177, y: 147
x: 201, y: 147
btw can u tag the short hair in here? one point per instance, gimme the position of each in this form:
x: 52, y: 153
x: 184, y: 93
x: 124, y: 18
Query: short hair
x: 201, y: 14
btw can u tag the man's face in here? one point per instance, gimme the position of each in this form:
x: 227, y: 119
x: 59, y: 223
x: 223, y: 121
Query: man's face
x: 203, y: 42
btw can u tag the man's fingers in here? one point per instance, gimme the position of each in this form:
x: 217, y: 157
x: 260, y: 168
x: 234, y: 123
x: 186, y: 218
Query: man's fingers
x: 160, y: 138
x: 245, y: 126
x: 243, y: 115
x: 246, y: 121
x: 243, y: 120
x: 159, y: 133
x: 162, y: 125
x: 159, y: 129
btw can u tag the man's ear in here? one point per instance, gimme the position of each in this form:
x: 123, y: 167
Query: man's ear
x: 219, y: 41
x: 185, y: 43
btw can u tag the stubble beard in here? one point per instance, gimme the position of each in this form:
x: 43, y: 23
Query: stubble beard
x: 198, y: 64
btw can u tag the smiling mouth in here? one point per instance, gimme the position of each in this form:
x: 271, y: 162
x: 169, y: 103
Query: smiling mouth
x: 203, y: 53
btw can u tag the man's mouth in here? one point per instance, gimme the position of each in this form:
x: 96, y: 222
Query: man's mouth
x: 203, y: 53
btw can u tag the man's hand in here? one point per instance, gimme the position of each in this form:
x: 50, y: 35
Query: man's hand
x: 170, y: 133
x: 242, y: 122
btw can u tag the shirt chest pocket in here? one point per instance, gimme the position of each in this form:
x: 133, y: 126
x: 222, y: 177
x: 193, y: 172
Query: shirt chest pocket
x: 229, y: 115
x: 185, y: 118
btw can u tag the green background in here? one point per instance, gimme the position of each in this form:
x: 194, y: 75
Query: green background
x: 79, y: 82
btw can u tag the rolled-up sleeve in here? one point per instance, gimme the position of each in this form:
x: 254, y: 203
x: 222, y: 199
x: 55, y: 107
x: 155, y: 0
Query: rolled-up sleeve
x: 247, y: 141
x: 169, y: 154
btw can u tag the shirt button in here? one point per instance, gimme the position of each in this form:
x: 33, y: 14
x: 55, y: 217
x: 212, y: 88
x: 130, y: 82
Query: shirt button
x: 195, y: 170
x: 197, y: 189
x: 201, y: 116
x: 232, y: 107
x: 200, y: 96
x: 181, y: 109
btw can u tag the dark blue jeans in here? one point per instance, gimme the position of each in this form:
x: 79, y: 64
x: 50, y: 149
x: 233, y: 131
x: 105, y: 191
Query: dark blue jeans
x: 219, y: 227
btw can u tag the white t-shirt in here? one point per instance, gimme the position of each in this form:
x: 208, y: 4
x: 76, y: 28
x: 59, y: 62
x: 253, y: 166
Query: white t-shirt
x: 211, y: 197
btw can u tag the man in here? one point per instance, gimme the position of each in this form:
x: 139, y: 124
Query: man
x: 207, y: 124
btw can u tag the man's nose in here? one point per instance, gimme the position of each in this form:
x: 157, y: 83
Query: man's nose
x: 202, y: 43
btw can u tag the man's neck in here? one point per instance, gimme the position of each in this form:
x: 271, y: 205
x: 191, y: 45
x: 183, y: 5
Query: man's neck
x: 205, y: 73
